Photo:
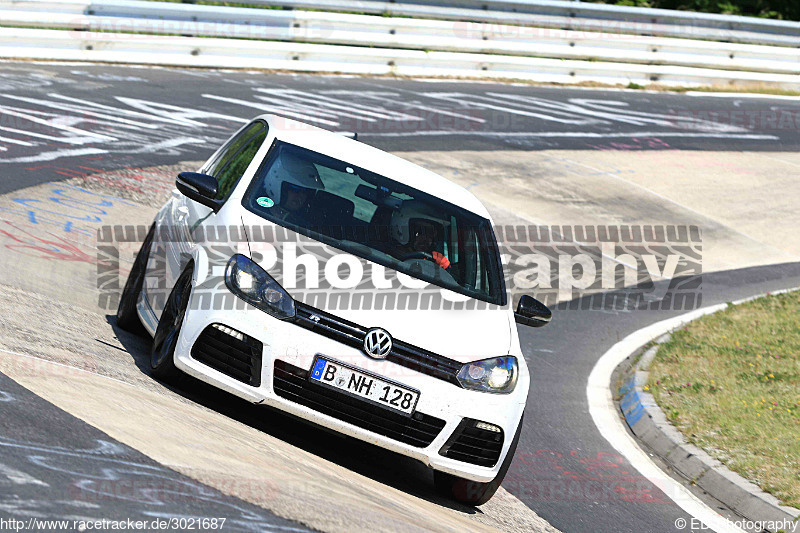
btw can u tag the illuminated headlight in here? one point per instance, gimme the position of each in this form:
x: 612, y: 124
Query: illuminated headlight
x: 252, y: 284
x: 498, y: 374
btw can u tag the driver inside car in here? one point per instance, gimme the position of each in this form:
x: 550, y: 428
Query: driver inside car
x: 418, y: 236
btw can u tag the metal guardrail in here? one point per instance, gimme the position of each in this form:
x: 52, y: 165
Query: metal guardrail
x: 337, y: 28
x: 572, y: 15
x: 239, y: 53
x: 555, y: 14
x: 472, y: 49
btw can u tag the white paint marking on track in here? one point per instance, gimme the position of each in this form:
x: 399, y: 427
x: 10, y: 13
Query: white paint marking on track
x: 393, y: 98
x: 65, y: 140
x: 608, y: 421
x: 267, y: 108
x: 169, y: 143
x: 55, y: 154
x: 615, y: 110
x: 79, y: 136
x: 20, y: 478
x: 414, y: 105
x: 171, y: 115
x: 576, y: 134
x: 303, y: 109
x: 83, y: 111
x: 474, y: 101
x: 346, y: 108
x: 15, y: 141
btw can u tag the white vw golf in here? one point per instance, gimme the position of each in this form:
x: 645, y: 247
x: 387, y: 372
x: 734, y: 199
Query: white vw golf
x: 307, y: 271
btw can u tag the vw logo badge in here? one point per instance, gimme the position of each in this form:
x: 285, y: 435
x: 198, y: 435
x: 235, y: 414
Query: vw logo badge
x: 377, y: 343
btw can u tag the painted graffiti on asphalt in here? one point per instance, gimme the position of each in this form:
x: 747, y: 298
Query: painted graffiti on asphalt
x: 45, y: 121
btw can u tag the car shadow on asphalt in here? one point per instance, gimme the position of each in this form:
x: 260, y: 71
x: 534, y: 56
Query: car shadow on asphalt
x: 384, y: 466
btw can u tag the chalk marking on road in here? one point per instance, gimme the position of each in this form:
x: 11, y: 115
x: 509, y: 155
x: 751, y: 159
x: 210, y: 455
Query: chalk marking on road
x: 158, y: 481
x: 147, y: 113
x: 413, y: 105
x: 610, y: 425
x: 79, y: 136
x: 66, y: 140
x: 169, y: 143
x: 577, y: 134
x: 55, y: 154
x: 391, y: 98
x: 121, y: 122
x: 14, y: 141
x: 607, y: 111
x: 472, y: 101
x: 267, y: 108
x: 181, y: 116
x: 20, y: 478
x: 307, y: 110
x: 348, y: 109
x: 622, y: 112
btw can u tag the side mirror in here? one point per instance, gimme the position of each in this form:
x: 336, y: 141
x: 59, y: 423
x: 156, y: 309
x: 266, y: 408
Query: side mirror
x: 201, y: 188
x: 532, y: 312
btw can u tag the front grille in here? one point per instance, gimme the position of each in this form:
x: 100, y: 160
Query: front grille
x: 474, y: 445
x: 291, y: 382
x: 403, y: 353
x: 231, y: 352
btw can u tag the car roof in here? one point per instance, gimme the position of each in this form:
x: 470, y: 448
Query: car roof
x: 368, y: 157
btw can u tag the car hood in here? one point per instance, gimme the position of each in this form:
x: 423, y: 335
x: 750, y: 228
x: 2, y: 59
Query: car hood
x: 461, y: 334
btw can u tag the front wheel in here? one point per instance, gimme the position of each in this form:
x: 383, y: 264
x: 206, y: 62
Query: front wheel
x: 127, y: 317
x: 162, y: 357
x: 473, y: 492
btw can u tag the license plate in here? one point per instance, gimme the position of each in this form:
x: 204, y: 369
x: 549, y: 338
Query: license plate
x: 363, y: 385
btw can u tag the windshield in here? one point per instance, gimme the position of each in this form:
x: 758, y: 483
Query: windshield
x: 378, y: 219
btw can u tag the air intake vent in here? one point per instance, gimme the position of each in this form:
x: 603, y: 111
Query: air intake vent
x: 231, y: 352
x: 474, y: 442
x: 292, y: 383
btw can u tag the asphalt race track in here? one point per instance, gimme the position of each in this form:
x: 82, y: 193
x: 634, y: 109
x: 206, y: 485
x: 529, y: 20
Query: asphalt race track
x: 62, y: 121
x: 574, y: 480
x: 59, y: 120
x: 101, y: 478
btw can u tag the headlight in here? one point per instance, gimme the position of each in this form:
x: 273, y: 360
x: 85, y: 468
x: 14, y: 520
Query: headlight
x: 252, y: 284
x: 498, y: 374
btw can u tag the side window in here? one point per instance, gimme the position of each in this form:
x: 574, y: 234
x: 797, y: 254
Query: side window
x: 232, y: 163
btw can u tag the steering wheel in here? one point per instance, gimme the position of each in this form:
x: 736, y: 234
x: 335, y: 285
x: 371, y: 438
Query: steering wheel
x: 418, y: 255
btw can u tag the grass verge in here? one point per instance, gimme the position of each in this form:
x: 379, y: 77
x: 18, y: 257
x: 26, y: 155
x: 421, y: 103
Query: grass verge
x: 731, y: 383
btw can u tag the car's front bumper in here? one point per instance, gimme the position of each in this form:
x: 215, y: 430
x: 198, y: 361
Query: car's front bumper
x: 291, y: 345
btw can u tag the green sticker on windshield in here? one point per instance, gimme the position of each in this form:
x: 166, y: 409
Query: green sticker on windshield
x: 265, y: 202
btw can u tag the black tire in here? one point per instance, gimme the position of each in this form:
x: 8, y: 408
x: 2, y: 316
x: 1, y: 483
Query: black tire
x: 127, y: 317
x: 162, y: 360
x: 473, y: 492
